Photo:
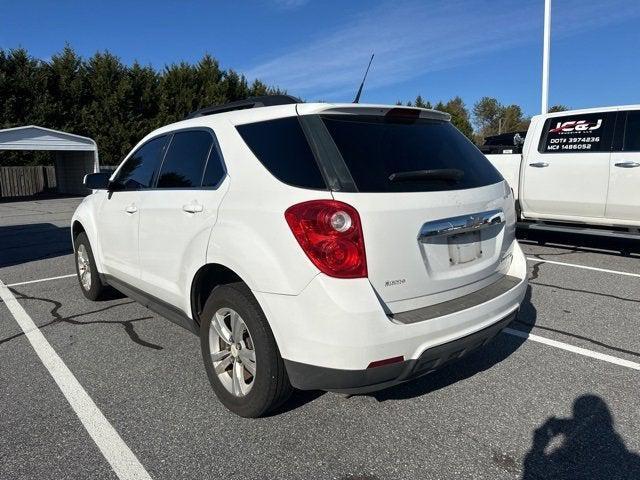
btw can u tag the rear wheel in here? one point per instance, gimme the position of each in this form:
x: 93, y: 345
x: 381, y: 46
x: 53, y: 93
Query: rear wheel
x: 240, y: 354
x: 88, y: 277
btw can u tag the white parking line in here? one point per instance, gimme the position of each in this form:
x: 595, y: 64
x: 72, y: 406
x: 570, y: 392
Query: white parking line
x: 531, y: 259
x: 574, y: 349
x: 123, y: 461
x: 41, y: 280
x: 605, y: 270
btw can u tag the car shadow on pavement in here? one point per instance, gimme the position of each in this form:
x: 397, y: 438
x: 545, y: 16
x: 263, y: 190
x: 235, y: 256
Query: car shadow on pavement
x: 39, y: 197
x: 496, y: 351
x: 584, y: 446
x: 298, y: 399
x: 486, y: 357
x: 33, y: 241
x: 581, y: 243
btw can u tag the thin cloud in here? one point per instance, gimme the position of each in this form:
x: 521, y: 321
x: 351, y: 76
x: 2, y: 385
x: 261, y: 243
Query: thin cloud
x: 411, y: 38
x: 290, y: 4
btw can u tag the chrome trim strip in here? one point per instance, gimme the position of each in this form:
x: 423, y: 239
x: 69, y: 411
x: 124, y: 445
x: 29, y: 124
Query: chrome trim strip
x: 461, y: 224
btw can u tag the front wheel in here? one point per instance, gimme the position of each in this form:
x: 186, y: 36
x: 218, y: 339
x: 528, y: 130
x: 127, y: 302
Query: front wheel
x: 240, y: 354
x: 88, y: 277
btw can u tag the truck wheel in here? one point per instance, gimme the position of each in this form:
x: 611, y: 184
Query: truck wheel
x: 518, y: 212
x: 88, y: 276
x: 240, y: 354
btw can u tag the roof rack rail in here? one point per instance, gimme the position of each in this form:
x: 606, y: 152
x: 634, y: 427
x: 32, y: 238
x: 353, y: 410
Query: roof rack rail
x: 250, y: 102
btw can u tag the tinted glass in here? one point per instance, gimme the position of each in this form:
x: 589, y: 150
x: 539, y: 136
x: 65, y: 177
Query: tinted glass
x: 140, y: 169
x: 632, y: 132
x: 185, y: 160
x: 577, y: 133
x: 376, y: 147
x: 214, y: 171
x: 282, y: 148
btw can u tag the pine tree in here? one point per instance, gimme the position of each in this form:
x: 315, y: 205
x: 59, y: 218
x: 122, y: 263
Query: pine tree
x: 419, y: 102
x: 459, y: 116
x: 66, y: 91
x: 105, y: 117
x: 23, y: 86
x: 558, y: 108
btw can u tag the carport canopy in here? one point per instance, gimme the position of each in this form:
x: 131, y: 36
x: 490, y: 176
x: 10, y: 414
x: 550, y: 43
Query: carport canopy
x: 75, y: 155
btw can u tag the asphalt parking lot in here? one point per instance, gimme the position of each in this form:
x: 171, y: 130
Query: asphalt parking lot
x: 556, y: 396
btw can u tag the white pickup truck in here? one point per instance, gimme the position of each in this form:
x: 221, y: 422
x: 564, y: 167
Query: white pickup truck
x: 577, y: 167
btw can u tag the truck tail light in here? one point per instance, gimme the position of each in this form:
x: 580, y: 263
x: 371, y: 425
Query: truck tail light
x: 330, y: 233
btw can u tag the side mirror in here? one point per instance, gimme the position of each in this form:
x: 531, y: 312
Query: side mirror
x: 97, y: 181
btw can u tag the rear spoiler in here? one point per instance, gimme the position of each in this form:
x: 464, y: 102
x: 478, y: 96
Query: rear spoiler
x: 351, y: 109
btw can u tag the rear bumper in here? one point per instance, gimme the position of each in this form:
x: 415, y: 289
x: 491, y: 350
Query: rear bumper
x: 312, y: 377
x: 335, y: 328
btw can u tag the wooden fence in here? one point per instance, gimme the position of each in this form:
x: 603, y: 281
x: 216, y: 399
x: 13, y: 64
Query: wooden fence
x: 25, y: 181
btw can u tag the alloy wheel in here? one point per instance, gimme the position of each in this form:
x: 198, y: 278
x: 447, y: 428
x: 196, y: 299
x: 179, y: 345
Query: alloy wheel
x: 232, y: 351
x: 84, y: 269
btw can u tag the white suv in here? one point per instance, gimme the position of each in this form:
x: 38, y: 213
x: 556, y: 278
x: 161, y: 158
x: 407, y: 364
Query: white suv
x: 340, y: 247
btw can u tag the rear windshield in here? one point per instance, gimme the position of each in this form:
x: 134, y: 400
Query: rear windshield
x: 375, y: 148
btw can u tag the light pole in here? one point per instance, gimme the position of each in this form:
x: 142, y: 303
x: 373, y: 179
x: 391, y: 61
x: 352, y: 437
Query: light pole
x: 545, y: 56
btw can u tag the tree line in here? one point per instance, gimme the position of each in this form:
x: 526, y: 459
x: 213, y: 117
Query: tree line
x: 104, y: 99
x: 117, y: 104
x: 489, y: 116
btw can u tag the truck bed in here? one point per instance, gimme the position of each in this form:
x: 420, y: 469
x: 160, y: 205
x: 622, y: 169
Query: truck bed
x: 508, y: 164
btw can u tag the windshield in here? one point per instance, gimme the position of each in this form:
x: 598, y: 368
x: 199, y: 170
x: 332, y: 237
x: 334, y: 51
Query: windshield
x: 378, y: 148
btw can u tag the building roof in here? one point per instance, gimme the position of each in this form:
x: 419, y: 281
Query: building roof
x: 32, y: 137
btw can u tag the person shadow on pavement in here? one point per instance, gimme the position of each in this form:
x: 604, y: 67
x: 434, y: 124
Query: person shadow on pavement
x: 585, y: 446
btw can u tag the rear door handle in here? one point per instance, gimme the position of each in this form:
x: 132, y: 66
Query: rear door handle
x: 192, y: 207
x: 627, y: 164
x: 131, y: 209
x: 539, y: 164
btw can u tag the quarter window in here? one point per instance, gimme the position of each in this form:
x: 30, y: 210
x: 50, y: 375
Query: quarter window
x: 185, y: 160
x: 282, y: 148
x: 140, y: 169
x: 577, y: 133
x: 214, y: 171
x: 632, y: 132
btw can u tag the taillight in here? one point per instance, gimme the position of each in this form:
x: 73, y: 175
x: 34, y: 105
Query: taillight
x: 330, y: 234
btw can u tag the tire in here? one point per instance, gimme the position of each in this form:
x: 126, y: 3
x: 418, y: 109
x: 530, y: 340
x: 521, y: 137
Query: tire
x: 245, y: 393
x: 86, y: 264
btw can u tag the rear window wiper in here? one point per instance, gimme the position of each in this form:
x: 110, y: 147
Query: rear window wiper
x: 446, y: 174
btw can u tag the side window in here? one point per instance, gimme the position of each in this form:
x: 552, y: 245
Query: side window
x: 214, y: 171
x: 578, y: 133
x: 282, y: 148
x: 632, y: 132
x: 140, y: 169
x: 185, y: 160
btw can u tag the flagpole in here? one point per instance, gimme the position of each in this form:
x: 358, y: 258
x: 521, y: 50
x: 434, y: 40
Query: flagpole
x: 545, y: 56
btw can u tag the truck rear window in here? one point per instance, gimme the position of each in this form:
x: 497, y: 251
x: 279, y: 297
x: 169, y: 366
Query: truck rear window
x: 375, y: 148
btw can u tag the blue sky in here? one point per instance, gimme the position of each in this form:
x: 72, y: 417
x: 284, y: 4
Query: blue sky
x: 319, y: 49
